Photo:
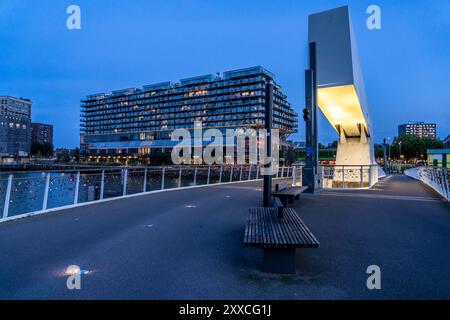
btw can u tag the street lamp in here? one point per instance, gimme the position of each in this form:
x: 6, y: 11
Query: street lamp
x: 389, y: 144
x: 400, y: 149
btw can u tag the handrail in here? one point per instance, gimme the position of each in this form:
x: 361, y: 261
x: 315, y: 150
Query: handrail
x: 68, y: 188
x: 435, y: 177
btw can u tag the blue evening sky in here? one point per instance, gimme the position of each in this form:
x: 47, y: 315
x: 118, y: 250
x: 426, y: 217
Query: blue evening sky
x: 406, y: 65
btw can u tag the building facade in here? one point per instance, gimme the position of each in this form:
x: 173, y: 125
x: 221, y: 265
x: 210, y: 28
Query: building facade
x: 42, y: 133
x: 439, y: 158
x: 134, y: 123
x: 15, y: 128
x: 420, y: 129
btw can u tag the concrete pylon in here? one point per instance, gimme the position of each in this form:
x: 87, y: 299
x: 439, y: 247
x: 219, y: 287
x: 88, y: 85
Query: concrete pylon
x: 340, y: 86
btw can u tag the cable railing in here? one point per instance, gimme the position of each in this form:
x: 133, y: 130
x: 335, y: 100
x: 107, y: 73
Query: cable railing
x: 28, y: 193
x: 435, y: 177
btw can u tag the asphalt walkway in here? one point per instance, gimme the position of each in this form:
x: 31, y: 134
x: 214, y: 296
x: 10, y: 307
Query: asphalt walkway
x: 187, y: 244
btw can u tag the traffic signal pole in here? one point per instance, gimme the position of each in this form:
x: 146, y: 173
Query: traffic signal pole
x: 309, y: 173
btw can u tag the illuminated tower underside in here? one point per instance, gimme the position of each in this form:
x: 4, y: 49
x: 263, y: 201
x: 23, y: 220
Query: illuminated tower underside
x: 342, y: 108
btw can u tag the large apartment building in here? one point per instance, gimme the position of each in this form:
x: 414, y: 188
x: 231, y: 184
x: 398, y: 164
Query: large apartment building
x: 133, y: 123
x: 15, y: 128
x: 420, y: 129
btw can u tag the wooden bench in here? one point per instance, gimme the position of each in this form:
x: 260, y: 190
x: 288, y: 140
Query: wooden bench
x: 278, y: 238
x: 288, y: 194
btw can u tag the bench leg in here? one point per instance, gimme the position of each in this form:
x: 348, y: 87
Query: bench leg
x: 279, y: 260
x: 291, y: 200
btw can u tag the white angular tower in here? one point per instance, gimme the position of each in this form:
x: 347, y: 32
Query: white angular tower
x: 340, y: 87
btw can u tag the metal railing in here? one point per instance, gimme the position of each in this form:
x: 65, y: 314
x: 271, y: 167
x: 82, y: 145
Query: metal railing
x: 27, y: 193
x: 348, y: 176
x: 435, y: 177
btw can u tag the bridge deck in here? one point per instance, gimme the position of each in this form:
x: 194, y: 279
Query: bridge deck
x: 188, y: 244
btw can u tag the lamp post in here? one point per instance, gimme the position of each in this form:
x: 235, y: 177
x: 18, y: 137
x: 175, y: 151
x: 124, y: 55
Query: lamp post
x: 400, y: 150
x: 389, y: 145
x: 267, y: 190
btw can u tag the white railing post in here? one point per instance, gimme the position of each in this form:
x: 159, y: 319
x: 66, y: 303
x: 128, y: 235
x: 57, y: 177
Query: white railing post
x: 361, y: 180
x: 294, y: 182
x: 370, y: 176
x: 7, y: 197
x: 240, y: 174
x: 257, y: 172
x: 102, y: 185
x: 249, y: 172
x: 209, y: 175
x: 195, y: 176
x: 47, y: 186
x: 282, y: 171
x: 77, y: 188
x: 125, y: 181
x: 144, y: 188
x: 446, y: 183
x: 231, y: 174
x: 179, y: 177
x: 163, y: 173
x: 220, y: 174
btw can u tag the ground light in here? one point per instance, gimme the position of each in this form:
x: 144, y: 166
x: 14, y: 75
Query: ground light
x: 74, y: 269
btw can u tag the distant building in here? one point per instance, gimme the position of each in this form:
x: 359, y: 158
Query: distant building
x: 133, y: 124
x: 439, y: 158
x: 419, y: 129
x: 447, y: 142
x: 299, y: 144
x: 15, y: 128
x: 42, y: 133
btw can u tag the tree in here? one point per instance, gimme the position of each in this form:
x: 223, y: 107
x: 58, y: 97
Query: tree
x: 333, y: 145
x: 290, y: 157
x: 413, y: 146
x: 378, y: 149
x: 67, y: 155
x: 41, y: 149
x: 63, y: 155
x: 75, y: 154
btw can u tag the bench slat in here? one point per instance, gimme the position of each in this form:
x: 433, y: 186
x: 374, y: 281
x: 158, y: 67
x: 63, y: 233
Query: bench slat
x: 305, y: 232
x: 265, y: 230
